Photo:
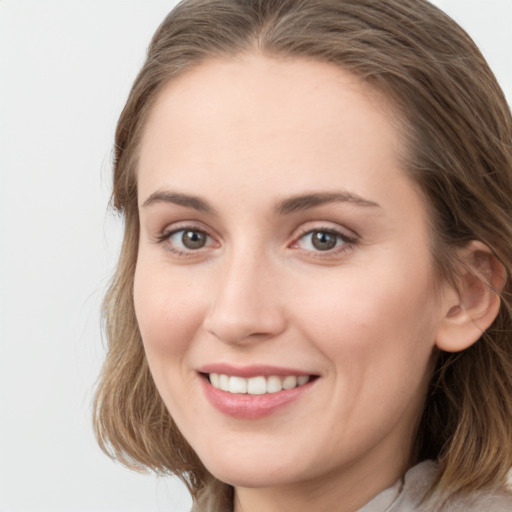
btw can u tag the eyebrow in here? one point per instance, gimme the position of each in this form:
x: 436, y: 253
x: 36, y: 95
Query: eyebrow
x: 307, y: 201
x: 180, y: 199
x: 286, y: 206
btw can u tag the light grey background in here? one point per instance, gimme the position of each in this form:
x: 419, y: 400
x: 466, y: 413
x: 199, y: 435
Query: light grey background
x: 66, y: 67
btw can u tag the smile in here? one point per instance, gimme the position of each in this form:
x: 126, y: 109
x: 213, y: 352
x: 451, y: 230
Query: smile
x: 259, y: 385
x: 251, y: 393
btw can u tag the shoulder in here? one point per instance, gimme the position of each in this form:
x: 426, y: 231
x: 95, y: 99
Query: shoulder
x: 415, y: 495
x: 499, y: 500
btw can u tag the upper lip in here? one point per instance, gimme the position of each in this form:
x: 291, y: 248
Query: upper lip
x: 249, y: 371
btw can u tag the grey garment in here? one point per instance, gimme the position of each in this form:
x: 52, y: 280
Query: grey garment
x: 410, y: 495
x: 407, y: 495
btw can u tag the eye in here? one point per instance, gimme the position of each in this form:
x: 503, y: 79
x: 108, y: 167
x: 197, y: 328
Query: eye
x: 186, y: 240
x: 189, y: 239
x: 323, y: 240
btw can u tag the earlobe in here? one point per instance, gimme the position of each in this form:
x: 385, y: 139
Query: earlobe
x: 473, y: 306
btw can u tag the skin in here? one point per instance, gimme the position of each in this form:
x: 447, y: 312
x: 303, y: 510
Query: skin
x: 243, y: 135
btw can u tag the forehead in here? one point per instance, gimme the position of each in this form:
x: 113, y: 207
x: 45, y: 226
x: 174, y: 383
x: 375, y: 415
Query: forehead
x: 256, y: 121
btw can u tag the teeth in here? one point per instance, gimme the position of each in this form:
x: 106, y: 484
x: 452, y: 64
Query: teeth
x: 289, y: 382
x: 237, y: 385
x: 303, y: 379
x: 274, y: 385
x: 256, y: 385
x: 215, y: 380
x: 224, y: 382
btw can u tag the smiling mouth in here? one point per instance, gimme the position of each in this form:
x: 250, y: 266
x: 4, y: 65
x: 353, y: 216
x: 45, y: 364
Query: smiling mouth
x: 259, y: 385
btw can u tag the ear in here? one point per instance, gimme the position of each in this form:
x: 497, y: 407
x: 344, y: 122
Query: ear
x: 471, y: 308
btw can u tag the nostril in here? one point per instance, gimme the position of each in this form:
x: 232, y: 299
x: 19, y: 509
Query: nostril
x: 242, y: 310
x: 254, y: 326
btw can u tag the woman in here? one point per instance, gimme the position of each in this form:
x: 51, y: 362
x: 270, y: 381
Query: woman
x: 312, y: 305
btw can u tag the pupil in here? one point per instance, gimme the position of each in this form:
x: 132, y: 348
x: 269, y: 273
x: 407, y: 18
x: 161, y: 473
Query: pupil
x: 323, y: 240
x: 193, y: 239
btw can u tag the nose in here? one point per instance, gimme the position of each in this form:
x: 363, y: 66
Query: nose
x: 246, y: 304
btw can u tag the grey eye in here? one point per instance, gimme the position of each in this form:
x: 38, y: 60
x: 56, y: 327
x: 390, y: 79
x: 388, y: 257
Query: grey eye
x: 189, y: 239
x: 193, y: 239
x: 323, y: 240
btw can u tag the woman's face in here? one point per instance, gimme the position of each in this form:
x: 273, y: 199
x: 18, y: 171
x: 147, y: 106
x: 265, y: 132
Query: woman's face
x: 282, y: 244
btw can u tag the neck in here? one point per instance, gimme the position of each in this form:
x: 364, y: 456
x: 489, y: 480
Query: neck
x: 344, y: 490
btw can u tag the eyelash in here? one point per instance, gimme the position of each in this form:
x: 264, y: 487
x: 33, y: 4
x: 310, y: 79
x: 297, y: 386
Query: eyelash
x: 347, y: 242
x: 166, y: 236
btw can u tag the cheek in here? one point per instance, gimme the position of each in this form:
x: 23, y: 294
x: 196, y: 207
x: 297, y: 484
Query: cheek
x: 169, y: 314
x: 373, y: 320
x: 168, y: 311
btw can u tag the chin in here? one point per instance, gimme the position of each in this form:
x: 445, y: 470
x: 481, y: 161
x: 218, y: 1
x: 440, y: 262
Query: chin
x: 244, y: 471
x: 251, y: 477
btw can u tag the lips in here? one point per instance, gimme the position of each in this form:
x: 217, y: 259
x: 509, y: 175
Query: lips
x: 253, y: 392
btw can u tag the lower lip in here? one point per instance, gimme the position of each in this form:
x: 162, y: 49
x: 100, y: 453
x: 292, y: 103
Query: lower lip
x: 252, y: 407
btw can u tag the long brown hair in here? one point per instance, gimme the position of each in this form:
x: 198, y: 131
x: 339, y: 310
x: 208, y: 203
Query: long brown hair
x: 457, y: 130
